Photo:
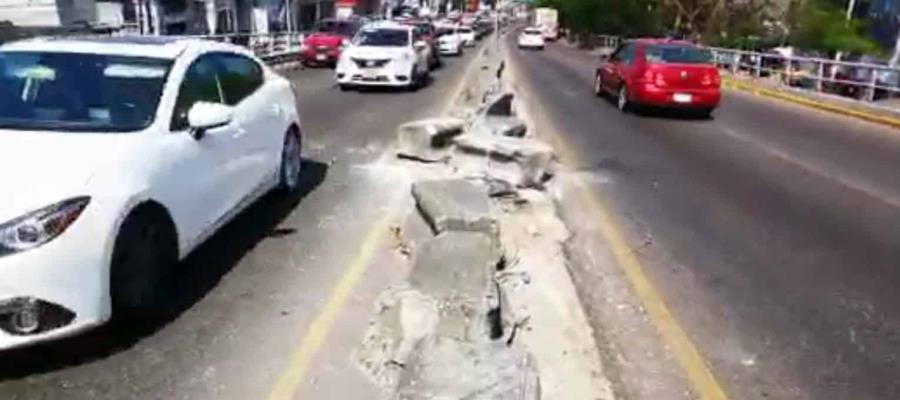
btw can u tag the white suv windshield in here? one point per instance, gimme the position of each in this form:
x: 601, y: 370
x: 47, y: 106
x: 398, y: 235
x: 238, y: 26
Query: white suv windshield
x: 79, y: 92
x: 383, y: 37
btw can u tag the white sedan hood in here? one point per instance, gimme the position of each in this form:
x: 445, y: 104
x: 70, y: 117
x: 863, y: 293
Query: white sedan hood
x: 38, y: 169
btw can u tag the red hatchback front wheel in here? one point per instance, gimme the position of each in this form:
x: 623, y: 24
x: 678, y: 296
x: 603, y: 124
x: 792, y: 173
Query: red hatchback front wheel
x: 598, y: 85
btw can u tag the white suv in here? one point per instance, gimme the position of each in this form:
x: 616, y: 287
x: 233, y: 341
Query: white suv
x: 119, y: 156
x: 384, y: 54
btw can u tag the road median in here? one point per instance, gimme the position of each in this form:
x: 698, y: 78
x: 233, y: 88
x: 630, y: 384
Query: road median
x: 488, y: 310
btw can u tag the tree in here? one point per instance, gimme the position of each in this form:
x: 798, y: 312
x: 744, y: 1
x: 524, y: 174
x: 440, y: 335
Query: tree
x: 822, y: 25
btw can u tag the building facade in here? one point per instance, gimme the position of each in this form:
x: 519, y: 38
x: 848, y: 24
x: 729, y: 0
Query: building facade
x: 179, y: 17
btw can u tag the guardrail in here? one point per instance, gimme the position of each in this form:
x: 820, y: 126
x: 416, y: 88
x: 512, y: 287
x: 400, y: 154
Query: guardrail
x: 858, y: 80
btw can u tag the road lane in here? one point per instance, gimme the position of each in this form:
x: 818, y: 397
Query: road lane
x: 246, y: 297
x: 772, y: 231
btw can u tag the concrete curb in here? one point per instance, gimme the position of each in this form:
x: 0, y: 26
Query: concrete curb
x: 794, y: 97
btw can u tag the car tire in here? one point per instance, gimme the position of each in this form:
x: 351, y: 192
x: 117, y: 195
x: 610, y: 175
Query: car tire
x: 344, y: 87
x: 706, y: 113
x: 290, y: 169
x: 598, y: 85
x: 622, y: 101
x: 415, y: 79
x: 144, y: 253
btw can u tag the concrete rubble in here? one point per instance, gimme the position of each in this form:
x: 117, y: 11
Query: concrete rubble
x: 454, y: 204
x: 502, y: 126
x: 462, y: 326
x: 424, y: 140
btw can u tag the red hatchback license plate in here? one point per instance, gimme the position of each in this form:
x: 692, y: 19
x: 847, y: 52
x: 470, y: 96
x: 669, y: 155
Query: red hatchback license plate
x: 682, y: 98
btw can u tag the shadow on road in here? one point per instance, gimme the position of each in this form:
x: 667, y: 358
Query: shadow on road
x: 199, y: 274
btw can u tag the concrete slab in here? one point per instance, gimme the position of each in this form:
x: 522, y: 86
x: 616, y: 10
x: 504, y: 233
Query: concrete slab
x: 454, y: 205
x: 456, y: 270
x: 499, y: 125
x: 533, y: 157
x: 445, y: 369
x: 423, y: 140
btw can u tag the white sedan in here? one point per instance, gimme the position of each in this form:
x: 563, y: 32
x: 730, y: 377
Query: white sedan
x: 384, y: 54
x: 468, y: 35
x: 450, y: 42
x: 119, y: 156
x: 531, y: 38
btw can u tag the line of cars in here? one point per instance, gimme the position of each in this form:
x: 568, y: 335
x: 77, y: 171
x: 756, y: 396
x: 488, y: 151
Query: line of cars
x: 400, y: 53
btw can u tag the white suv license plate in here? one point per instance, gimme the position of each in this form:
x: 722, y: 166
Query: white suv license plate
x: 682, y: 97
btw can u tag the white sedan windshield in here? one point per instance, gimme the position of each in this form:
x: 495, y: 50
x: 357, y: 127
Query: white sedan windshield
x: 79, y: 92
x: 383, y: 37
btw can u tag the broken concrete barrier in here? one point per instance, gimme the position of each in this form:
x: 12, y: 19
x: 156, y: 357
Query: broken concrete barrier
x: 454, y: 205
x: 502, y: 126
x: 499, y: 105
x: 445, y: 368
x: 456, y: 269
x: 533, y: 158
x: 422, y: 140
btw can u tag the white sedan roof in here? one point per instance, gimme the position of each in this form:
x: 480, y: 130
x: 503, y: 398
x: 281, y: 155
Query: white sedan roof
x: 167, y: 47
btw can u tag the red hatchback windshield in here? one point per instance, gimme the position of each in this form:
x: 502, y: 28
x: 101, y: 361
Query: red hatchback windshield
x: 676, y: 54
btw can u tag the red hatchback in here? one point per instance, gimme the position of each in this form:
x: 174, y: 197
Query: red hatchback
x: 323, y: 46
x: 660, y: 73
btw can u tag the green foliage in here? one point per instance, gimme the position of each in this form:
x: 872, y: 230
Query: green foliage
x: 620, y: 17
x: 750, y: 24
x: 822, y: 25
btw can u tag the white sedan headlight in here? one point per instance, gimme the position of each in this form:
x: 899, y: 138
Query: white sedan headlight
x: 39, y: 227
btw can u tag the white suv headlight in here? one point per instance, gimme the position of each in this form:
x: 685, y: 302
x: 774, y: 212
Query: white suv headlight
x: 39, y: 227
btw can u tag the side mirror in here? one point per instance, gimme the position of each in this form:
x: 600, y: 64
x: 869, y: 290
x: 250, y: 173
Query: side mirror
x: 204, y: 115
x: 604, y: 58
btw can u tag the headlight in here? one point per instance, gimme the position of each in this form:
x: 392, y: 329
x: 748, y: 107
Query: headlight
x: 39, y: 227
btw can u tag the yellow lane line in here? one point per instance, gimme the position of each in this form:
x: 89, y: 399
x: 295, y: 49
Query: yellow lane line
x: 686, y: 353
x: 697, y: 372
x: 824, y: 106
x: 298, y: 363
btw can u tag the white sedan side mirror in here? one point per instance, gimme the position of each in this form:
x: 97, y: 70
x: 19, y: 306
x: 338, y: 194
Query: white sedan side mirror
x: 204, y: 115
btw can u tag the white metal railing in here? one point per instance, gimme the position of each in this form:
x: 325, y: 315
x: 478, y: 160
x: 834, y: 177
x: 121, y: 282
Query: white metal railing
x: 859, y: 80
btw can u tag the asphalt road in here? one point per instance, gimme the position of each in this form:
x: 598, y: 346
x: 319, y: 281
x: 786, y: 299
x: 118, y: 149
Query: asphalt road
x: 772, y: 232
x: 244, y: 301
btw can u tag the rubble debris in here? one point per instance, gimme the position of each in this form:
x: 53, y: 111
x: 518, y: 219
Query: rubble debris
x: 456, y: 269
x: 454, y: 204
x: 502, y: 126
x: 423, y: 140
x: 534, y: 158
x: 444, y: 368
x: 500, y: 105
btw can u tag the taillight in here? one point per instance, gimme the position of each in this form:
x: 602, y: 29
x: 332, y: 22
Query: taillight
x: 654, y: 77
x: 710, y: 79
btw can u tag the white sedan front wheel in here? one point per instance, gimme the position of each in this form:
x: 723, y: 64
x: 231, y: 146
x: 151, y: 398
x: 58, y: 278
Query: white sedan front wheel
x: 291, y: 162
